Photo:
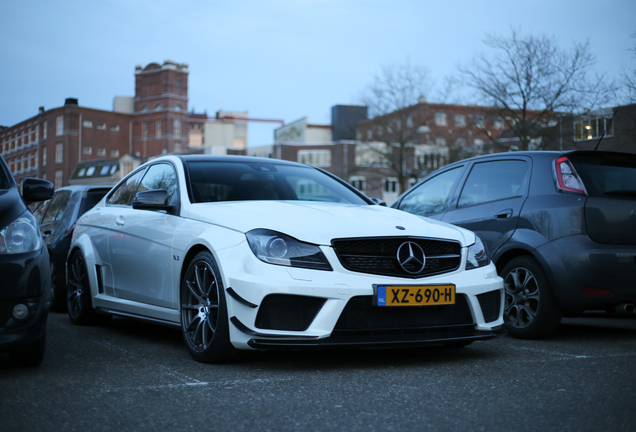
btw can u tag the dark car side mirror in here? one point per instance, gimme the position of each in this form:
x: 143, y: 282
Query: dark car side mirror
x: 34, y: 190
x: 152, y: 200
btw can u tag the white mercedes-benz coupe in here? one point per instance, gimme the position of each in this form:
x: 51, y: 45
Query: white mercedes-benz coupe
x: 247, y: 253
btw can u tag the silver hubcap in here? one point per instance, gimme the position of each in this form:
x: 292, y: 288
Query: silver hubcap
x: 522, y: 297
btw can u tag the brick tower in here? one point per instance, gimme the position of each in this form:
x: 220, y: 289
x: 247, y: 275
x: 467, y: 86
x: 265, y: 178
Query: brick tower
x: 160, y: 121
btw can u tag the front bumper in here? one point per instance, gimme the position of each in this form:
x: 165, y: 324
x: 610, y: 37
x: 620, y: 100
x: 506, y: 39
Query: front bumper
x: 24, y: 279
x: 321, y: 309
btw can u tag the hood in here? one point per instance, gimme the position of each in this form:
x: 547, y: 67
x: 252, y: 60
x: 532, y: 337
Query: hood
x: 319, y: 223
x: 11, y: 206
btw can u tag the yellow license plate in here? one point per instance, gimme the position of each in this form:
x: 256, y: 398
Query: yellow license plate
x: 421, y: 295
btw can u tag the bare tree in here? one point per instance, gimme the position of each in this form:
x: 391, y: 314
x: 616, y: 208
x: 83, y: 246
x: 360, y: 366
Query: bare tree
x: 529, y: 79
x: 394, y: 125
x: 629, y: 77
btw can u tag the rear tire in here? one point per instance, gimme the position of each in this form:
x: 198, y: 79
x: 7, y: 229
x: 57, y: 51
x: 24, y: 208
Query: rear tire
x: 530, y: 309
x: 80, y: 309
x: 204, y: 320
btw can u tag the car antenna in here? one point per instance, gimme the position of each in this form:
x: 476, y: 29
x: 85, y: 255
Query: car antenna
x: 605, y: 130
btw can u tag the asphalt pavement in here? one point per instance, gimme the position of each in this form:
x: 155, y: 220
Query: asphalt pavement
x: 132, y: 376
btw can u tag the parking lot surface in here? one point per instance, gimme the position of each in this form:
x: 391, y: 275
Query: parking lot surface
x: 134, y: 376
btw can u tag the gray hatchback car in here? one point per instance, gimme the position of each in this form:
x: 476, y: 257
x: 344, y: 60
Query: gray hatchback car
x: 559, y: 226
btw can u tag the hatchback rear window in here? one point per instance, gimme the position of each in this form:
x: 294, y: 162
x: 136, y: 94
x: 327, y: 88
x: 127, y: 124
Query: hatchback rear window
x: 606, y: 174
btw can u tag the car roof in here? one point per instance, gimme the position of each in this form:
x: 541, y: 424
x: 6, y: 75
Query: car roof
x: 85, y: 188
x: 236, y: 158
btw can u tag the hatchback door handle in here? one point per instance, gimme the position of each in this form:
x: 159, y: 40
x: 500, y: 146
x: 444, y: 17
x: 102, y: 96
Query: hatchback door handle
x: 504, y: 214
x: 120, y: 221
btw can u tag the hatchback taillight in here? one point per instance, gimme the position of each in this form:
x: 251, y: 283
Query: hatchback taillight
x: 567, y: 180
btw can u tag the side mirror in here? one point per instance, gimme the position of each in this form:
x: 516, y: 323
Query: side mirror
x: 34, y: 190
x: 152, y: 200
x: 377, y: 201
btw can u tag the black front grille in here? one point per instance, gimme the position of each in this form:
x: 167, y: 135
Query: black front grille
x: 288, y: 312
x: 380, y: 256
x: 490, y: 304
x: 360, y: 315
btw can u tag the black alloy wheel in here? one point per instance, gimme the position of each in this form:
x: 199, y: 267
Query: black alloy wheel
x: 80, y: 309
x: 58, y: 299
x: 204, y: 320
x: 530, y: 309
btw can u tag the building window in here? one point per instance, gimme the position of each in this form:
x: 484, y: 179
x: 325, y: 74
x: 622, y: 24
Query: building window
x: 369, y: 155
x: 460, y: 142
x: 440, y: 141
x: 44, y: 126
x: 144, y: 108
x: 593, y: 128
x: 87, y: 124
x: 158, y: 131
x: 59, y: 126
x: 144, y: 130
x: 369, y: 134
x: 409, y: 121
x: 101, y: 152
x: 498, y: 123
x: 43, y: 155
x: 59, y: 153
x: 318, y: 158
x: 158, y: 107
x: 440, y: 119
x: 59, y: 179
x: 460, y: 120
x: 479, y: 121
x: 359, y: 183
x: 177, y: 107
x: 479, y: 144
x: 87, y: 150
x: 114, y: 128
x: 177, y: 146
x: 114, y: 153
x: 101, y: 126
x: 177, y: 128
x: 390, y: 185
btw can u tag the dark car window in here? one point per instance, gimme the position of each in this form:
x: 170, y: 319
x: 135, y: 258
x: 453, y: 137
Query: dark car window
x: 55, y: 210
x: 493, y: 181
x: 606, y: 174
x: 160, y: 176
x: 431, y: 196
x: 125, y: 191
x: 91, y: 198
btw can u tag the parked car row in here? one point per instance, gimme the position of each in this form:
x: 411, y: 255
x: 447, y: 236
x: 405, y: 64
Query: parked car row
x: 246, y: 253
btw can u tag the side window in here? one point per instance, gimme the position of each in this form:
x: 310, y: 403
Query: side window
x: 125, y: 191
x: 56, y: 208
x: 431, y: 196
x: 492, y: 181
x: 160, y: 176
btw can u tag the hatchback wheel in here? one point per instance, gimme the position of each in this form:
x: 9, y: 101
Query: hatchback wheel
x: 80, y: 310
x: 58, y: 299
x: 204, y: 321
x: 530, y: 310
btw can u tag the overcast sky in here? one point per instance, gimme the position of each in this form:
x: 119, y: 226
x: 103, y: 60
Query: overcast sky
x: 278, y: 59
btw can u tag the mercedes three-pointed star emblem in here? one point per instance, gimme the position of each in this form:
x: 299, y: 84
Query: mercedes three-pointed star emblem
x: 411, y: 257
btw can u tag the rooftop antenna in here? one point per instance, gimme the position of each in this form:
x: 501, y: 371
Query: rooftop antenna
x: 605, y: 130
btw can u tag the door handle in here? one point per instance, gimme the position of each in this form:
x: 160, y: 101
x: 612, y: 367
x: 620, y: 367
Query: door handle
x: 504, y: 214
x: 120, y: 221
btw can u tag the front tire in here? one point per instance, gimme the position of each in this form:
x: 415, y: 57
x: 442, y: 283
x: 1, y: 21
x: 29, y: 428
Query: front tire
x: 530, y: 310
x: 80, y: 309
x: 204, y: 320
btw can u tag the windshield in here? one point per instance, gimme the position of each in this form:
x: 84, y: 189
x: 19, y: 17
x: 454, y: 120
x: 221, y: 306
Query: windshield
x: 213, y: 181
x: 606, y: 174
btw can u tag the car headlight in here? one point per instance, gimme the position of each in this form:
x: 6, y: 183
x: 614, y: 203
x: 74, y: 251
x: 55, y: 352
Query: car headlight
x: 477, y: 255
x: 275, y: 248
x: 20, y: 236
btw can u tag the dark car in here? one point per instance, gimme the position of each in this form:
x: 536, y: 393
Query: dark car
x: 25, y: 279
x: 560, y: 227
x: 56, y: 218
